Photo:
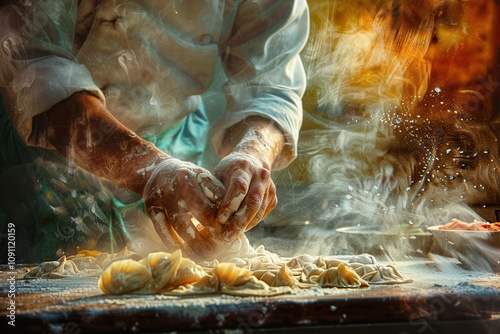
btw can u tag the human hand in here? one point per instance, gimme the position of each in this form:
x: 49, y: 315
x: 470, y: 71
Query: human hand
x: 250, y: 195
x: 176, y: 192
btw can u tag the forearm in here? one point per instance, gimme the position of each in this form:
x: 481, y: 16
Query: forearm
x: 256, y: 136
x: 83, y: 129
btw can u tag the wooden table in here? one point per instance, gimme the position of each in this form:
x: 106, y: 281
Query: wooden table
x: 439, y: 300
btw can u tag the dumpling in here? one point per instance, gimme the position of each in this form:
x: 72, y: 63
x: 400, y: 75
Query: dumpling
x: 124, y: 276
x: 54, y: 269
x: 342, y: 276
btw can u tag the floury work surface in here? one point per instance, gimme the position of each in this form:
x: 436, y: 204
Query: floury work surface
x: 441, y: 297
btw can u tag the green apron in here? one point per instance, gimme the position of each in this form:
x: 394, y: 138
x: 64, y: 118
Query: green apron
x: 59, y: 209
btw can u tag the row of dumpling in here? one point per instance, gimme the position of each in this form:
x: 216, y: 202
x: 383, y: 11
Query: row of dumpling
x: 170, y: 273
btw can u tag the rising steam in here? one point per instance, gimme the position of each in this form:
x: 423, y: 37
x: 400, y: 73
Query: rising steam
x: 368, y: 154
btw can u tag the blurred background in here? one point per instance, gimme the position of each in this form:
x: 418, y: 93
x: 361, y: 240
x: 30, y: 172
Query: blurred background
x: 401, y: 122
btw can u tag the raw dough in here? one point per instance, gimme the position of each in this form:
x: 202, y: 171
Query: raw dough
x: 84, y: 263
x: 262, y: 273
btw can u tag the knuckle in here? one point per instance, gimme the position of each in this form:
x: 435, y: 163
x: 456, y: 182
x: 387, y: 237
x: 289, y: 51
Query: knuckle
x: 240, y: 183
x: 265, y: 173
x: 244, y: 164
x: 254, y: 201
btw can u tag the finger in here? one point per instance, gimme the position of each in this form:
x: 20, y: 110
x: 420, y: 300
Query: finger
x: 260, y: 201
x: 197, y: 202
x: 271, y: 201
x: 251, y: 208
x: 236, y: 192
x: 180, y: 233
x: 269, y: 204
x: 211, y: 230
x: 163, y: 228
x: 211, y: 186
x: 191, y: 235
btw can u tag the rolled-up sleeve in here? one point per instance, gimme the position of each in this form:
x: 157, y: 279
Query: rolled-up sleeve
x: 265, y: 73
x: 38, y: 68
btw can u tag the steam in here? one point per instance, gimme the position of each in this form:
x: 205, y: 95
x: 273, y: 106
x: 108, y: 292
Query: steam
x: 367, y: 155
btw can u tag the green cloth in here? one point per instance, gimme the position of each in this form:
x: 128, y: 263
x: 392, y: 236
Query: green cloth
x: 58, y: 209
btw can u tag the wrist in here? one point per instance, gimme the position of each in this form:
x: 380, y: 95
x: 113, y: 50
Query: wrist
x: 257, y: 137
x: 92, y: 138
x: 259, y: 147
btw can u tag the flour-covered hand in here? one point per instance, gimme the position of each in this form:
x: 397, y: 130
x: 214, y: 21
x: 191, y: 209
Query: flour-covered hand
x: 176, y: 192
x: 250, y: 195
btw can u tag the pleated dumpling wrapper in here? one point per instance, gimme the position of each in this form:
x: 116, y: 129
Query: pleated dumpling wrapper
x: 124, y: 276
x: 153, y: 274
x: 230, y: 279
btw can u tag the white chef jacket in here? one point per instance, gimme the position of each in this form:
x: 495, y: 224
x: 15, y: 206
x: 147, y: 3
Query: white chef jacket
x: 149, y: 61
